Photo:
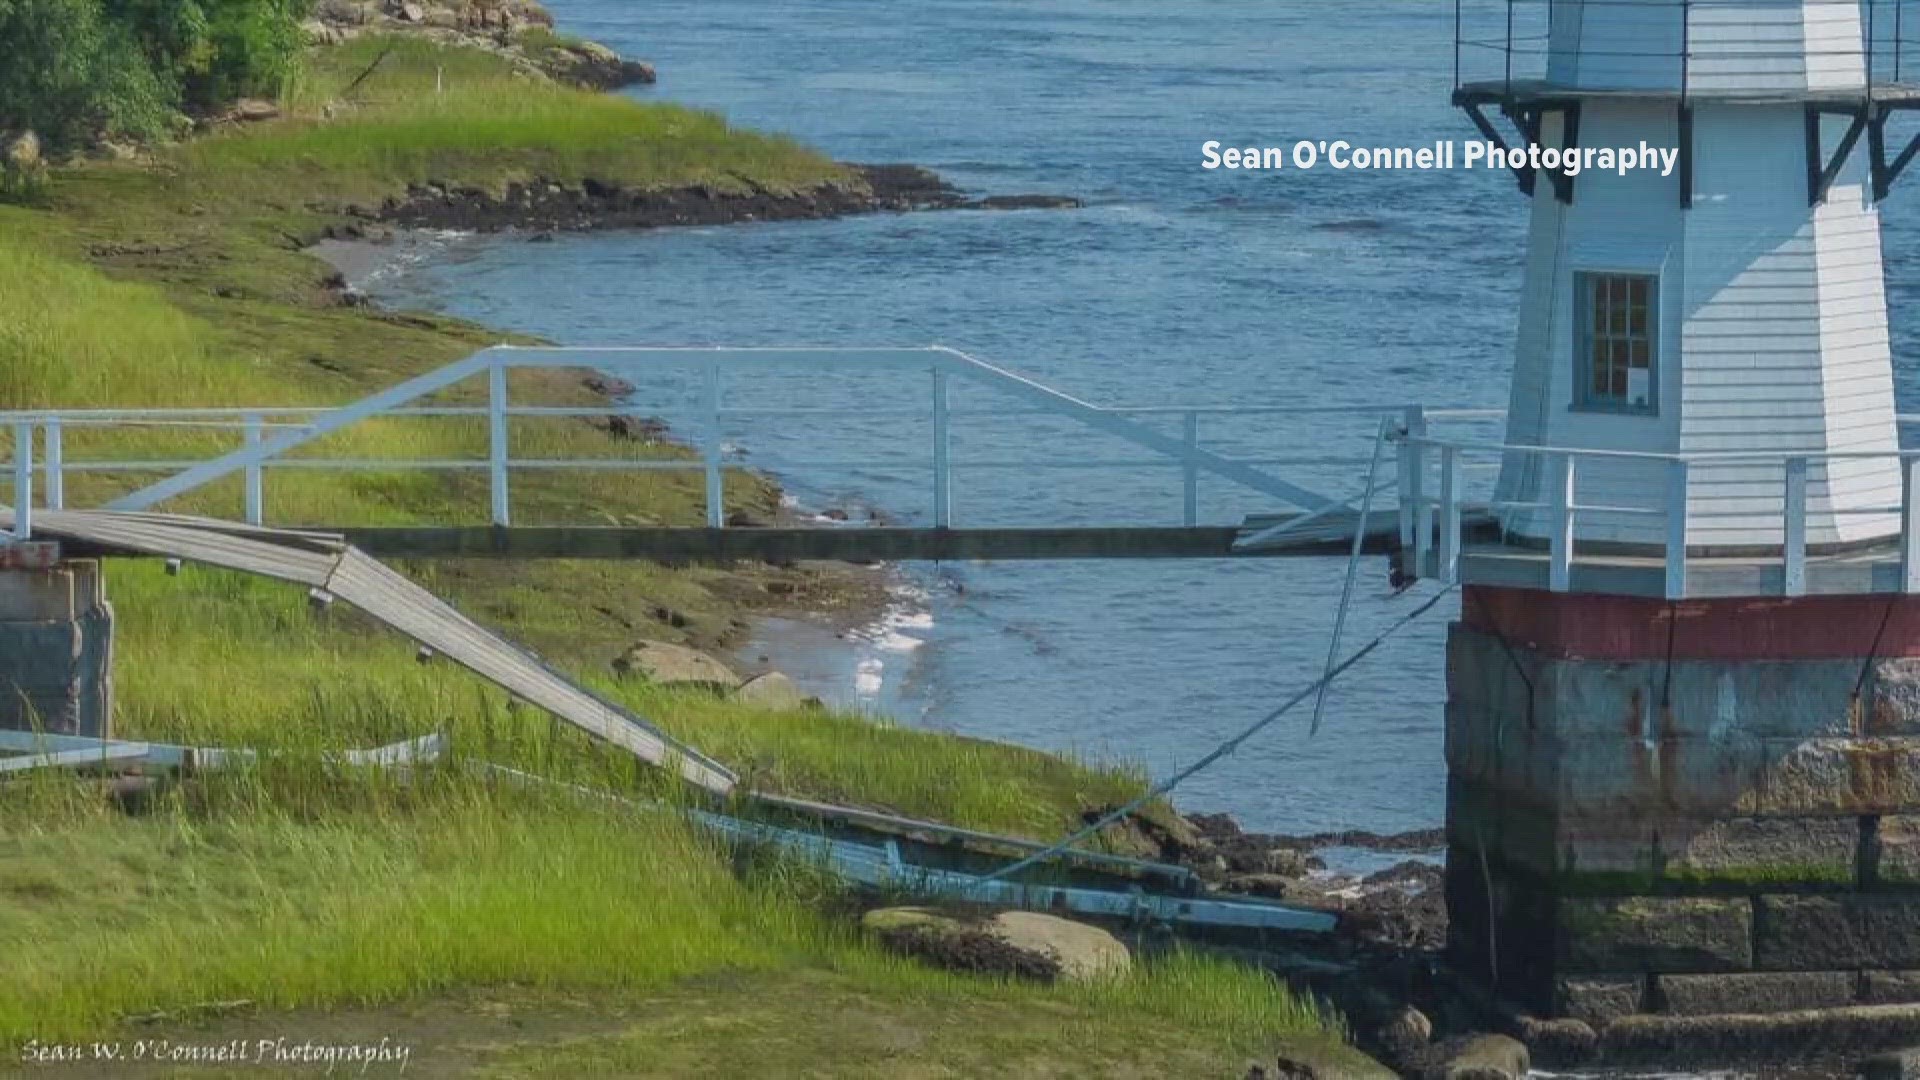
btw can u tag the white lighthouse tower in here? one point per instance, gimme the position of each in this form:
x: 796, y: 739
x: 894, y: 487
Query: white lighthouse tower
x: 1683, y: 740
x: 1733, y: 307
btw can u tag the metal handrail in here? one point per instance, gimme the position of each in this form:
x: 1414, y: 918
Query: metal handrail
x: 1435, y: 524
x: 273, y: 434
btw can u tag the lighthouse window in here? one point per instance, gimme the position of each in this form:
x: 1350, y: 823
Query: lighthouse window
x: 1614, y: 353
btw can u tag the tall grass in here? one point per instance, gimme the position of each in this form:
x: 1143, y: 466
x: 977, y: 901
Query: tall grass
x: 298, y: 883
x: 431, y: 113
x: 292, y: 885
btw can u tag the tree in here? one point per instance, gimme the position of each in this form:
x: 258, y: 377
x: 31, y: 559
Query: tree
x: 72, y: 75
x: 215, y: 50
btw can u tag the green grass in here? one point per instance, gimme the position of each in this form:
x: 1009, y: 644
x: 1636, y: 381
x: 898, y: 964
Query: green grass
x: 292, y: 888
x: 348, y: 899
x: 488, y: 127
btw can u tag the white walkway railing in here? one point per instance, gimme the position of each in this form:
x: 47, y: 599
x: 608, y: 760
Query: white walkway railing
x: 269, y: 436
x: 1435, y: 501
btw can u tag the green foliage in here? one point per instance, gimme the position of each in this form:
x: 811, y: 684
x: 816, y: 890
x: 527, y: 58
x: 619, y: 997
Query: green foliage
x: 70, y: 73
x: 80, y: 69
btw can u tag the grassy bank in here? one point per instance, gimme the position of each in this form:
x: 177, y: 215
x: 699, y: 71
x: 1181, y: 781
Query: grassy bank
x: 333, y: 901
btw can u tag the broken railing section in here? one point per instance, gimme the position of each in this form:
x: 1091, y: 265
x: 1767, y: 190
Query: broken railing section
x: 331, y: 568
x: 26, y: 751
x: 880, y: 859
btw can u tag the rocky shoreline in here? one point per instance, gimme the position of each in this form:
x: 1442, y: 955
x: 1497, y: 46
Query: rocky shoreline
x: 542, y: 207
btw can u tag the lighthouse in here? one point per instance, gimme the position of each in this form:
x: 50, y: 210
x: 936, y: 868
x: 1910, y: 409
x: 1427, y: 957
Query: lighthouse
x: 1683, y: 721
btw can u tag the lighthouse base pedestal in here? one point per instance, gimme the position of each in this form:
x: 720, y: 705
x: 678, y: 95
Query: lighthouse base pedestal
x: 1702, y: 807
x: 56, y: 648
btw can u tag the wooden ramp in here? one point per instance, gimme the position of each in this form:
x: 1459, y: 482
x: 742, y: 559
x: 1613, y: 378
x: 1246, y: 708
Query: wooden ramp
x: 325, y: 562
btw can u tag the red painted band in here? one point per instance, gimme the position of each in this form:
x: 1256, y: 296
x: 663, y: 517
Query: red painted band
x: 1597, y: 627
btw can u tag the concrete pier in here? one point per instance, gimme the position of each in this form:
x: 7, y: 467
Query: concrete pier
x: 56, y: 647
x: 1692, y: 807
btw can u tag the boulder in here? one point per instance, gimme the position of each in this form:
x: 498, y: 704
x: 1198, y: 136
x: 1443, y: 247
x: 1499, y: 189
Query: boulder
x: 1407, y: 1028
x: 668, y: 665
x: 771, y: 691
x: 1482, y: 1057
x: 1027, y: 944
x: 253, y: 110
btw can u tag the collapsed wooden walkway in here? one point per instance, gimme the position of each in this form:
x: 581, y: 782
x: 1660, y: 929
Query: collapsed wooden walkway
x: 864, y: 846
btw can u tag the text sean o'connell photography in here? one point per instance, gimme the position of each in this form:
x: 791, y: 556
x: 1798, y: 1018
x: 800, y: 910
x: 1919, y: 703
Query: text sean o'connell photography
x: 1343, y: 155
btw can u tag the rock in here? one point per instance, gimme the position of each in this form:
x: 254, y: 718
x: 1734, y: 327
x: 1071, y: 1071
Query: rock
x: 253, y: 110
x: 1482, y: 1057
x: 669, y: 665
x: 1699, y: 934
x: 412, y: 13
x: 23, y: 151
x: 1897, y: 1065
x: 1026, y: 202
x: 1566, y: 1037
x: 665, y: 614
x: 1755, y: 992
x: 771, y: 691
x: 1407, y: 1028
x: 1273, y: 886
x: 1599, y: 1000
x: 1027, y: 944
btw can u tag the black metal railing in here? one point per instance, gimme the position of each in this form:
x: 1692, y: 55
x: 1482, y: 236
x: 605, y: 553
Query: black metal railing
x: 1510, y: 42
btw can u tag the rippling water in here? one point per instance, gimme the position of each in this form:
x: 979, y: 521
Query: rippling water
x: 1173, y: 285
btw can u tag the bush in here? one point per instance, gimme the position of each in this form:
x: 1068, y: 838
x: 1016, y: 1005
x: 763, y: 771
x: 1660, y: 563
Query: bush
x: 215, y: 50
x: 77, y: 70
x: 70, y: 74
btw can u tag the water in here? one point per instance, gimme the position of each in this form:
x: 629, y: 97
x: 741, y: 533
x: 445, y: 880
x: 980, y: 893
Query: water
x: 1174, y: 285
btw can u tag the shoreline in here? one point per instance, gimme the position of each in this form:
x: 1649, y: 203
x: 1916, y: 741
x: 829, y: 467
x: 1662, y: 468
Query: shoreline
x: 542, y: 206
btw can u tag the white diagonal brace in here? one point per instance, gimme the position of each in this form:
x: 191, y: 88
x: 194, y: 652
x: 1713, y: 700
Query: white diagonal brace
x: 1132, y: 431
x: 324, y: 424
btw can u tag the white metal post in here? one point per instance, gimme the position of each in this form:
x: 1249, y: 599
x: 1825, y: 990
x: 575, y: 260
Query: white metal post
x: 23, y: 481
x: 1449, y: 514
x: 1422, y: 511
x: 1677, y: 529
x: 1910, y: 524
x: 716, y: 492
x: 255, y: 489
x: 1413, y: 426
x: 942, y: 454
x: 1793, y: 553
x: 1560, y: 545
x: 1190, y: 473
x: 56, y: 469
x: 497, y: 460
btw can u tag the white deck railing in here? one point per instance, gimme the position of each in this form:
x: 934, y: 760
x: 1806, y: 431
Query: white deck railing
x: 267, y: 436
x: 1434, y: 502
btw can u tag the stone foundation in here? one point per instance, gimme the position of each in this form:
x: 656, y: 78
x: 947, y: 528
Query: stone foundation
x: 56, y: 650
x: 1640, y: 822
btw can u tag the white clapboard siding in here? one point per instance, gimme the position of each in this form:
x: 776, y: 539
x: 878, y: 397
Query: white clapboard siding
x: 1773, y: 334
x: 1729, y: 48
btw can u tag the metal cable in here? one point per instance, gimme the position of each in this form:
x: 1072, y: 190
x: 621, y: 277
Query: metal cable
x: 1166, y: 786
